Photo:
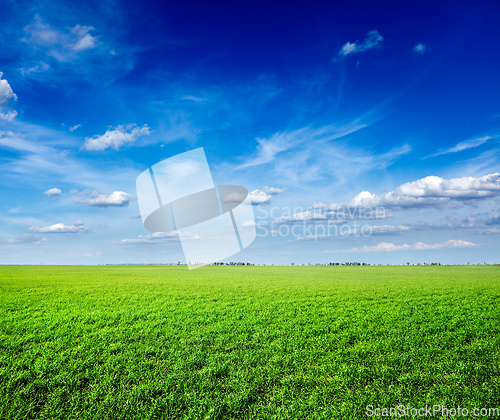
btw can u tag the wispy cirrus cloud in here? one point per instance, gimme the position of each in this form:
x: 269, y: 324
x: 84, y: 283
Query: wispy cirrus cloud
x: 269, y: 148
x: 23, y: 239
x: 157, y: 238
x: 309, y: 155
x: 89, y: 254
x: 372, y: 40
x: 64, y: 46
x: 464, y: 145
x: 419, y: 246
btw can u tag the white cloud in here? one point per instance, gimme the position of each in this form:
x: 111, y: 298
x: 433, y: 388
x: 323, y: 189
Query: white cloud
x: 372, y: 40
x: 41, y: 67
x: 419, y: 246
x: 59, y: 228
x: 488, y: 231
x: 64, y: 46
x: 8, y: 116
x: 420, y: 48
x: 88, y: 254
x: 431, y: 191
x: 6, y: 94
x: 136, y: 216
x: 42, y: 34
x: 274, y: 191
x: 193, y: 98
x: 260, y: 197
x: 84, y: 41
x: 265, y: 195
x: 24, y: 239
x: 115, y: 138
x: 115, y: 199
x: 464, y: 145
x: 389, y: 229
x: 53, y: 191
x: 283, y: 141
x: 74, y: 127
x: 157, y: 237
x: 307, y: 155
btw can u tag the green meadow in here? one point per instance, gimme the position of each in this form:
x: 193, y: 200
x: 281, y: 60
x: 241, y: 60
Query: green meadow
x: 154, y: 342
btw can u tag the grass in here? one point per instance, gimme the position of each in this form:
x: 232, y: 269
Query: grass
x: 245, y: 342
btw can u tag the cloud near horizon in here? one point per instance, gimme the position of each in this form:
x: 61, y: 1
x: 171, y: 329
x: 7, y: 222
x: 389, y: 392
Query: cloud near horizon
x: 24, y: 239
x: 431, y: 191
x: 419, y: 246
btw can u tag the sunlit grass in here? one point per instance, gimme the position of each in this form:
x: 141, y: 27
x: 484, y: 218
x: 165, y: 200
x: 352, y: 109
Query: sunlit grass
x: 245, y: 342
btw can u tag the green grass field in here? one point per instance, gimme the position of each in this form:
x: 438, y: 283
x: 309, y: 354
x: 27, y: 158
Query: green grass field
x: 117, y: 342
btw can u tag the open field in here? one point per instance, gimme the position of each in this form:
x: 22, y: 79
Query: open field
x: 120, y: 342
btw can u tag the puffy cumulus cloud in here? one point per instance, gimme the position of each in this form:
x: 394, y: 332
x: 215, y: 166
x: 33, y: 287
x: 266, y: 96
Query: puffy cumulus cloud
x: 372, y: 40
x: 117, y: 137
x: 420, y: 48
x: 464, y: 145
x: 260, y: 197
x: 431, y: 191
x: 53, y: 191
x: 419, y: 246
x: 115, y: 199
x: 158, y: 237
x: 265, y: 195
x: 274, y: 191
x: 23, y: 239
x: 59, y: 228
x: 6, y: 94
x: 8, y: 116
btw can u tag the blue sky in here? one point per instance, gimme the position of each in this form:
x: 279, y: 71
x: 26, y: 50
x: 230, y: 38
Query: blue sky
x: 316, y: 108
